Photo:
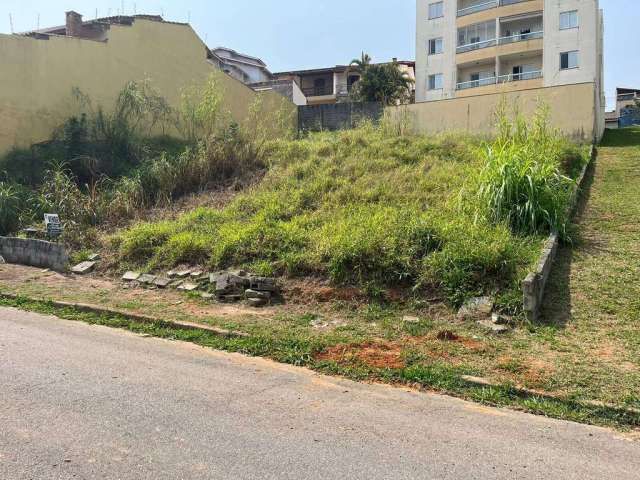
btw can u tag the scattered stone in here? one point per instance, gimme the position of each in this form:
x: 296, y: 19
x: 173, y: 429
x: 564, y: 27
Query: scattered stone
x: 188, y: 287
x: 447, y: 336
x: 498, y: 319
x: 410, y: 319
x: 183, y: 273
x: 172, y: 273
x: 196, y: 274
x: 162, y: 282
x: 493, y: 328
x: 83, y: 268
x: 238, y: 273
x: 256, y: 302
x: 94, y: 257
x: 207, y: 296
x: 147, y: 279
x: 131, y: 276
x: 176, y: 284
x: 256, y: 294
x: 263, y: 284
x: 2, y: 260
x: 474, y: 308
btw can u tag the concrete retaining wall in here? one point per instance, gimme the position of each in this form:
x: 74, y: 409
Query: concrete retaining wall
x: 533, y: 287
x: 35, y: 253
x: 572, y: 111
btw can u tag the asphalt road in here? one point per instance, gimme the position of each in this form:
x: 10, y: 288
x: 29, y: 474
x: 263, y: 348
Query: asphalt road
x: 89, y: 402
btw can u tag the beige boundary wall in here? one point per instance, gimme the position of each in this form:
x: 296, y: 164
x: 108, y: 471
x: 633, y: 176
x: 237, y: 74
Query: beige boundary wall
x: 572, y: 111
x: 37, y: 76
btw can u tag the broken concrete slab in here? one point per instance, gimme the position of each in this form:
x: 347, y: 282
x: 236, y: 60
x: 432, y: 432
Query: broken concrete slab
x: 183, y: 273
x: 494, y: 328
x: 2, y: 260
x: 196, y: 274
x: 188, y: 287
x: 207, y: 296
x: 476, y: 308
x: 147, y: 279
x: 256, y: 294
x: 131, y: 276
x: 172, y: 273
x: 94, y: 257
x: 162, y: 282
x: 499, y: 319
x: 176, y: 283
x: 83, y: 268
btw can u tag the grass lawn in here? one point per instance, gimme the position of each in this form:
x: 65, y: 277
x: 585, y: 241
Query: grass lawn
x: 587, y: 347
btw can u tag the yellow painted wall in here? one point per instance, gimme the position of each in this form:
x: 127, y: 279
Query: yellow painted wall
x: 37, y: 76
x: 572, y: 110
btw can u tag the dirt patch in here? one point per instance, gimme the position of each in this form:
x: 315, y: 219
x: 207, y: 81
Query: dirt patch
x: 372, y: 354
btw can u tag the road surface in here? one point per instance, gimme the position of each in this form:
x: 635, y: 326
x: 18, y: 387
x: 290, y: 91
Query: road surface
x: 89, y: 402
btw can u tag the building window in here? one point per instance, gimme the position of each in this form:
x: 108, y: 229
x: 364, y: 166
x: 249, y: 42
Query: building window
x: 435, y: 82
x: 436, y: 10
x: 569, y: 60
x: 435, y: 46
x: 569, y: 20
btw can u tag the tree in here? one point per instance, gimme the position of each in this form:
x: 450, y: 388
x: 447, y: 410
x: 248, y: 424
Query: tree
x: 384, y: 83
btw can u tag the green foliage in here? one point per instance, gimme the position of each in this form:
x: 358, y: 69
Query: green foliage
x: 522, y: 184
x: 9, y: 209
x: 384, y: 83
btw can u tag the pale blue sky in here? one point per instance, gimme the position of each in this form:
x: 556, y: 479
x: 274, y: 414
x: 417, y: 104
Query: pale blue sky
x: 297, y: 34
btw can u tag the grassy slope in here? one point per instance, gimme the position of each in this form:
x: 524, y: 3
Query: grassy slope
x: 358, y: 207
x: 594, y: 313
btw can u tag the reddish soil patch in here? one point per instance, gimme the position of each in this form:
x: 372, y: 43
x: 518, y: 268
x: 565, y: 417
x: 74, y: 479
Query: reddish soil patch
x: 373, y: 354
x: 447, y: 335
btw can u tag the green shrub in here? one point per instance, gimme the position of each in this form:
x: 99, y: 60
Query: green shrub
x: 521, y: 184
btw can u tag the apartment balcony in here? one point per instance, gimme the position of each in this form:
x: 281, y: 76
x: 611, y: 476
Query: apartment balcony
x: 485, y: 49
x: 471, y: 12
x: 500, y: 84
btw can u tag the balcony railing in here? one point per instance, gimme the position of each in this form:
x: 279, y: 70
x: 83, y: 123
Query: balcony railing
x: 512, y: 77
x: 479, y: 7
x: 341, y: 89
x: 520, y: 37
x: 476, y: 45
x: 318, y: 91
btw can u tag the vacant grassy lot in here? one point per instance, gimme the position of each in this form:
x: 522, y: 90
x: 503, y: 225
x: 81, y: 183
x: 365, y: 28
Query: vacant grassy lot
x: 377, y: 210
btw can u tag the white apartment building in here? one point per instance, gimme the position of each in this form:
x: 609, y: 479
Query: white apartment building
x: 477, y: 47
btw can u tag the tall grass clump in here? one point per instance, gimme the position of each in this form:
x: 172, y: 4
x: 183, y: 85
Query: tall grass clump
x: 9, y: 208
x: 522, y: 183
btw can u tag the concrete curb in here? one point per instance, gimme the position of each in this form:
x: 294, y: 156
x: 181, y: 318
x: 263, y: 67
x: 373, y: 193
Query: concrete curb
x: 533, y: 286
x: 82, y: 307
x: 483, y: 382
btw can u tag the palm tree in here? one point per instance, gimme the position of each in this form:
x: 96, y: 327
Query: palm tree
x: 361, y: 64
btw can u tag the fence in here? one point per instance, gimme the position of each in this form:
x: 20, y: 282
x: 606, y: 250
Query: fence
x: 337, y: 116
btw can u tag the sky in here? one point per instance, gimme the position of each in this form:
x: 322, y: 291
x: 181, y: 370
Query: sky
x: 300, y: 34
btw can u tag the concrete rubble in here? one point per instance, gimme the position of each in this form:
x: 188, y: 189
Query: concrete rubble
x: 83, y: 268
x: 225, y: 286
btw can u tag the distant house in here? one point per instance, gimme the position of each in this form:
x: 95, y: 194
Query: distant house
x: 334, y: 84
x: 242, y: 67
x: 624, y: 114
